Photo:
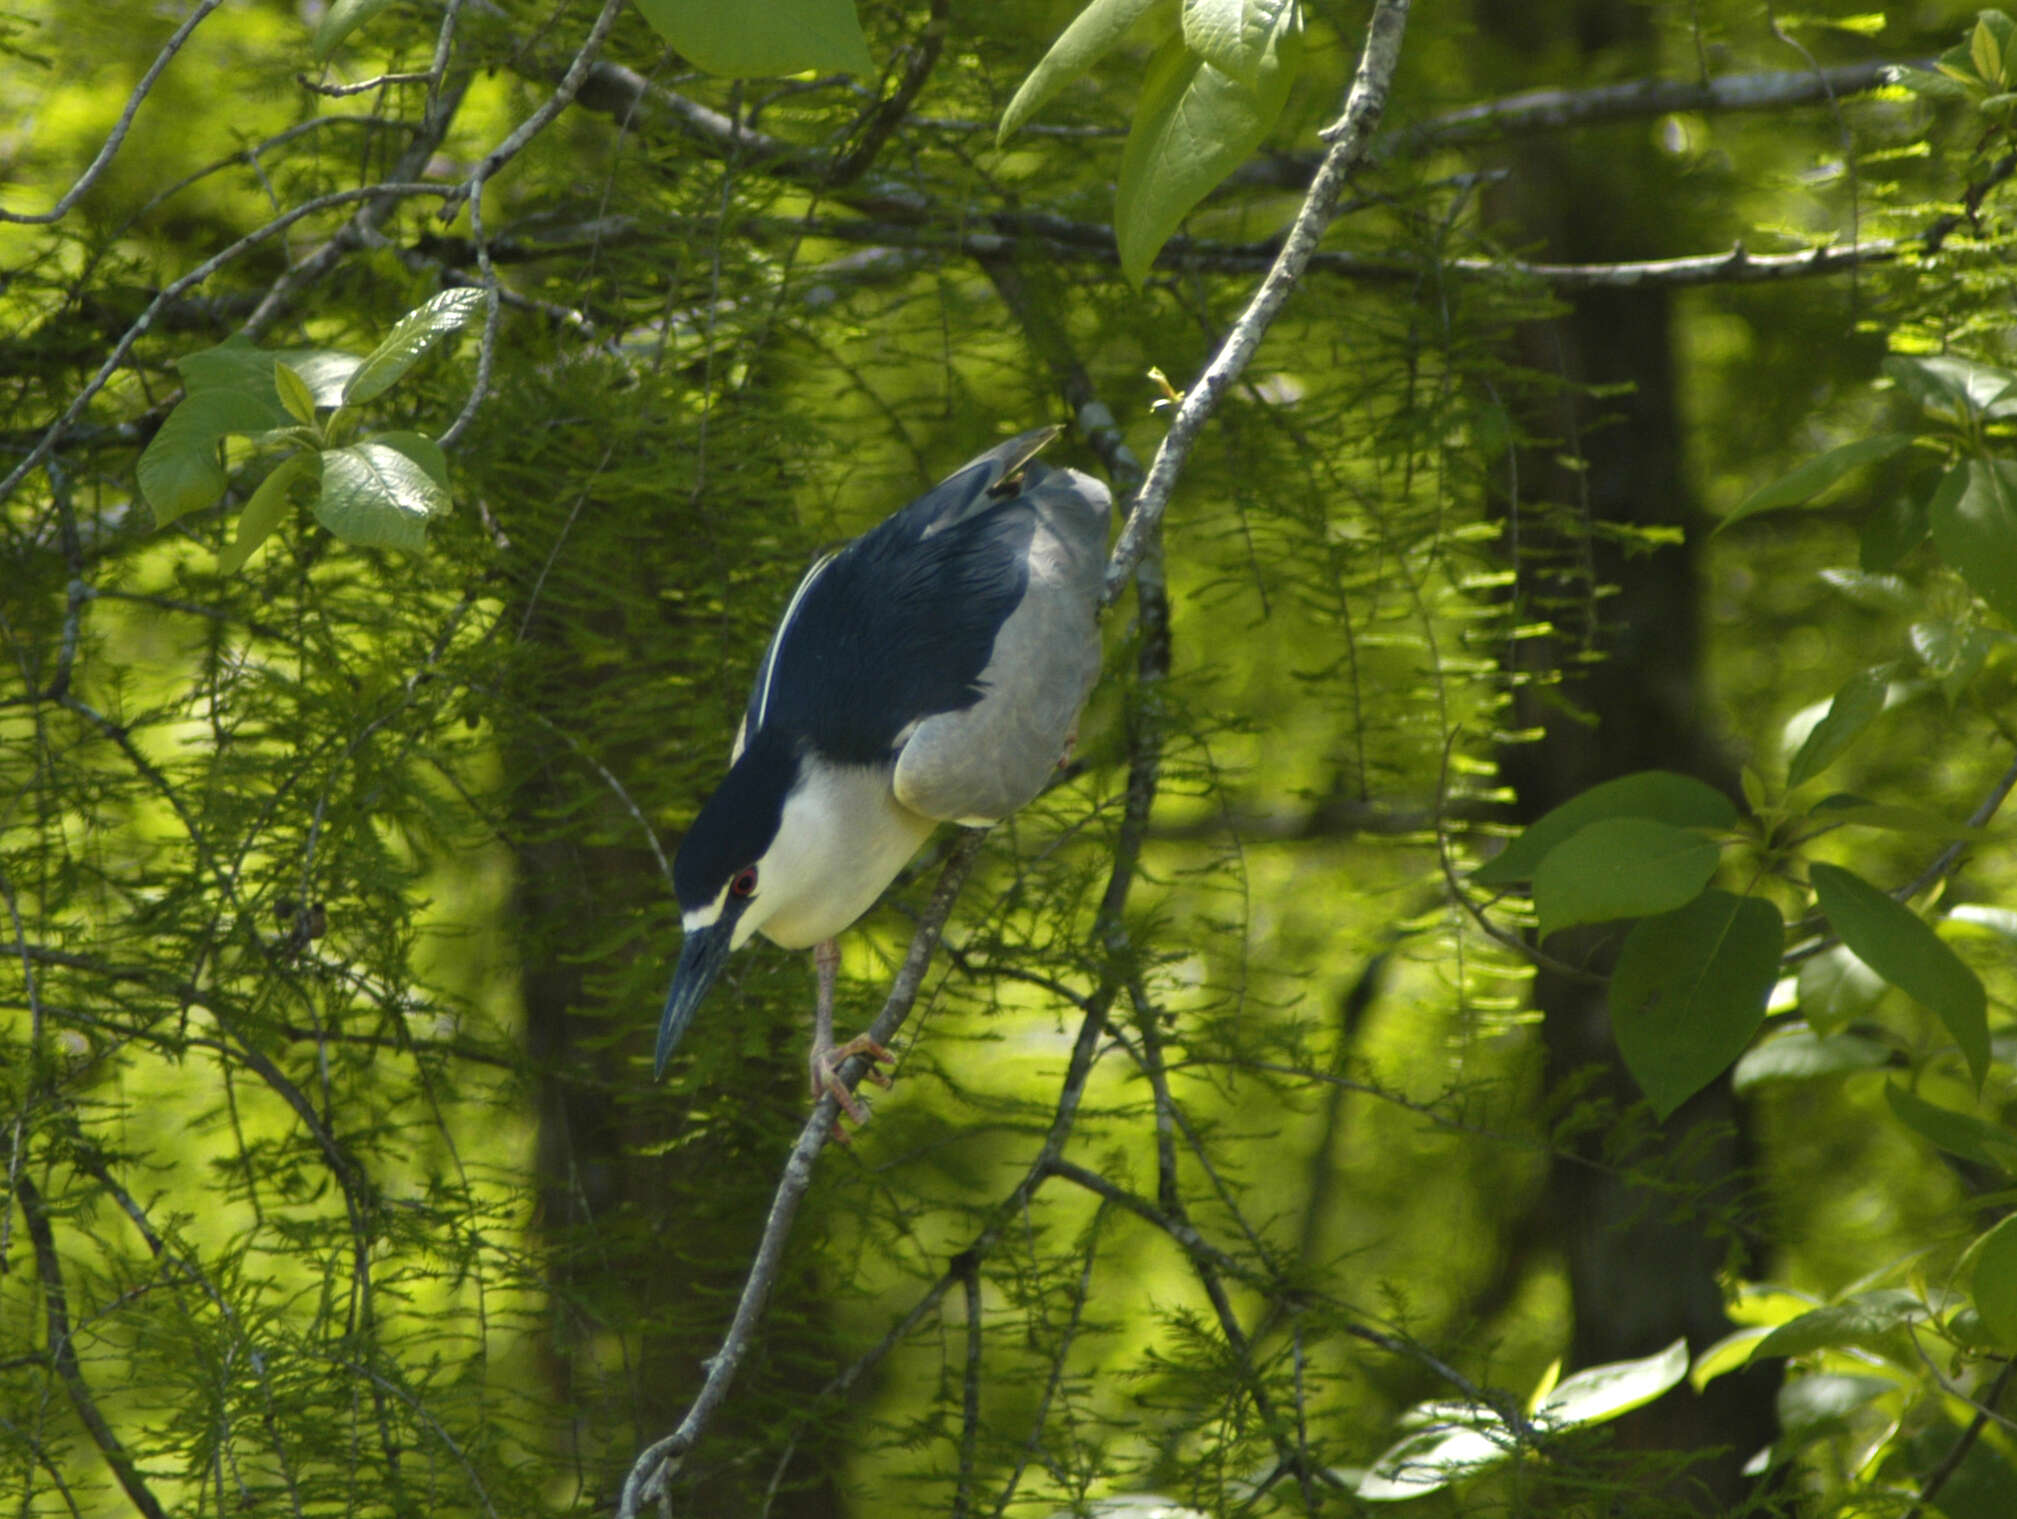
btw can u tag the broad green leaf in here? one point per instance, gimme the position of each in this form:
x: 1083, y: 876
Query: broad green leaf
x: 341, y: 19
x: 1600, y: 1393
x: 1975, y: 528
x: 1731, y: 1353
x: 1962, y: 387
x: 1621, y: 868
x: 1986, y: 56
x: 1236, y: 36
x: 2001, y: 921
x: 1996, y: 1282
x: 179, y: 471
x: 1902, y: 948
x: 1689, y: 992
x: 1837, y: 988
x: 1806, y: 1056
x: 1846, y: 808
x: 1193, y: 126
x: 1961, y: 1134
x: 1094, y: 33
x: 374, y: 496
x: 1855, y: 706
x: 1456, y: 1442
x: 1880, y: 593
x: 1812, y: 1405
x: 410, y: 339
x: 1892, y: 530
x: 294, y: 394
x: 1867, y: 1321
x: 1767, y: 1305
x: 1678, y: 800
x: 263, y: 513
x: 758, y: 38
x: 422, y: 450
x: 238, y: 364
x: 1816, y: 475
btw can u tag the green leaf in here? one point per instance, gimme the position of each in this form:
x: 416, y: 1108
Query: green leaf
x: 1455, y: 1441
x: 1094, y: 33
x: 1193, y: 127
x: 263, y: 513
x: 1806, y: 1056
x: 238, y: 364
x: 410, y: 339
x: 1961, y: 1134
x: 375, y: 496
x: 1891, y: 531
x: 1621, y: 868
x: 1958, y: 387
x: 758, y: 38
x: 1836, y: 988
x: 1679, y: 800
x: 1985, y: 53
x: 422, y: 450
x: 1867, y: 1321
x: 1816, y: 475
x: 1236, y: 36
x: 1996, y: 1282
x: 1731, y: 1353
x: 1975, y: 528
x: 294, y: 394
x: 179, y: 471
x: 1855, y: 706
x: 341, y: 19
x: 1600, y: 1393
x: 1812, y: 1405
x: 1690, y: 989
x: 1902, y: 948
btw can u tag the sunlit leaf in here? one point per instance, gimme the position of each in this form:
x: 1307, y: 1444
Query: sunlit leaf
x: 375, y: 496
x: 758, y: 38
x: 1454, y: 1444
x: 1731, y: 1353
x: 1093, y: 33
x: 1600, y: 1393
x: 239, y: 364
x: 1867, y: 1321
x: 1902, y: 948
x: 1235, y: 36
x: 1193, y: 126
x: 294, y: 394
x: 410, y: 339
x: 1811, y: 1405
x: 1962, y: 387
x: 1689, y: 992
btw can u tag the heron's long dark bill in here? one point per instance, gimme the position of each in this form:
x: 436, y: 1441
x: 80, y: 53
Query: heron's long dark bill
x: 701, y: 958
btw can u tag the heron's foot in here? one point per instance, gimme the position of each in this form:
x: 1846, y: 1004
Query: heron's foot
x: 826, y: 1064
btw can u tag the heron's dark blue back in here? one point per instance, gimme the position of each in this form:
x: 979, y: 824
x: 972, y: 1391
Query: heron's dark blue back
x: 899, y: 624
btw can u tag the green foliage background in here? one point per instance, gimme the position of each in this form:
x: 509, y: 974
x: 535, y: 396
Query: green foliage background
x: 335, y: 924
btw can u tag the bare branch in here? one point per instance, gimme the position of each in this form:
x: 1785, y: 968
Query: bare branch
x: 110, y: 147
x: 1348, y: 137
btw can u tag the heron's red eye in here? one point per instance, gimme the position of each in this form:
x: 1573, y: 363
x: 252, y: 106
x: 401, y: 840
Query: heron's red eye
x: 744, y: 883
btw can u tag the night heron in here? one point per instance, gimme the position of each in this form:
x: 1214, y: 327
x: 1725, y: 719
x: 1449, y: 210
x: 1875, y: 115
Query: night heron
x: 931, y: 671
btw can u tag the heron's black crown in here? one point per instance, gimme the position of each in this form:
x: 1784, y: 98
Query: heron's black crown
x: 736, y: 825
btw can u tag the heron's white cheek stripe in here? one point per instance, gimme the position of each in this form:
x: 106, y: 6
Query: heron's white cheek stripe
x: 701, y: 917
x: 777, y: 639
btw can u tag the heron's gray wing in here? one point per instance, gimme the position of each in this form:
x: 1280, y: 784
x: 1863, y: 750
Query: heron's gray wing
x: 981, y: 761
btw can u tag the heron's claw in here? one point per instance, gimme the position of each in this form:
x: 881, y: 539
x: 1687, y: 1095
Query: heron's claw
x: 826, y: 1066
